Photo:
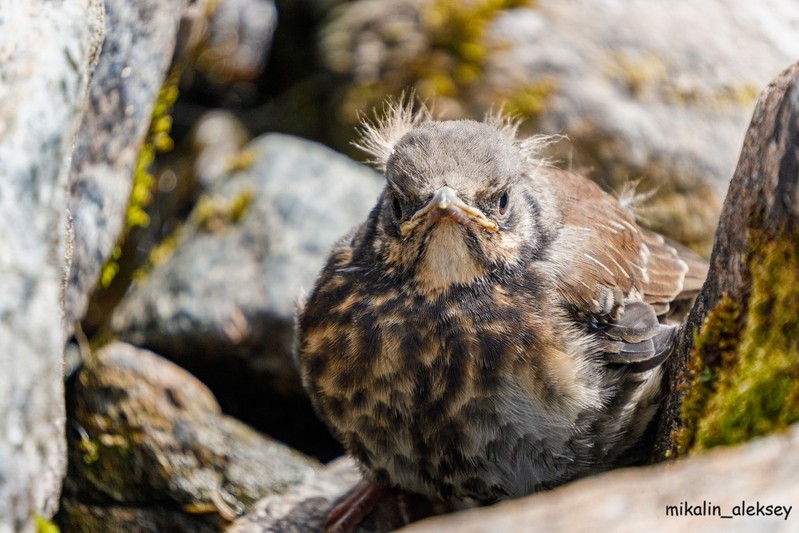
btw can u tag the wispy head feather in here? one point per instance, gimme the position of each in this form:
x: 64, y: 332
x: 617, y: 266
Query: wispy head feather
x: 379, y: 136
x: 530, y: 147
x: 504, y: 123
x: 533, y: 147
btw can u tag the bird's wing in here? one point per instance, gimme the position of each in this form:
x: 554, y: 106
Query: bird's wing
x: 617, y: 277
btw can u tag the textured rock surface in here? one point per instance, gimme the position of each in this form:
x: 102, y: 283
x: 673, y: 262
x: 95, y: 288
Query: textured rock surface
x: 762, y: 207
x: 641, y: 90
x: 223, y: 304
x: 86, y: 518
x: 763, y: 471
x: 149, y: 441
x: 305, y: 506
x: 132, y: 66
x: 47, y: 50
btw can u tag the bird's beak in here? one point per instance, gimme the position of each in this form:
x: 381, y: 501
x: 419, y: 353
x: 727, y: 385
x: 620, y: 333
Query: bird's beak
x: 446, y: 204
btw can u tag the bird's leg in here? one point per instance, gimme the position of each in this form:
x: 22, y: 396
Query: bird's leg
x: 404, y: 508
x: 360, y: 501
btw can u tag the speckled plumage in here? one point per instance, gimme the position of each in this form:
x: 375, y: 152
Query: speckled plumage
x: 496, y: 326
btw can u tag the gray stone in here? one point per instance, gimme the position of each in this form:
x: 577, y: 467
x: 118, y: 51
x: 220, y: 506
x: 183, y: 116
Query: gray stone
x: 47, y: 51
x: 131, y: 69
x: 250, y: 248
x: 147, y: 435
x: 632, y: 500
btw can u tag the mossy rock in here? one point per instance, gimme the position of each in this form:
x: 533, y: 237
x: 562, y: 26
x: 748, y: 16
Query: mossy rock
x: 744, y: 370
x: 735, y: 374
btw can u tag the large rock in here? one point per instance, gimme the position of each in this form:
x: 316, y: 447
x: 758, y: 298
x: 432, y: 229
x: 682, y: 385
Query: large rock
x: 223, y: 304
x: 131, y: 69
x: 642, y: 90
x: 665, y: 498
x: 733, y: 373
x: 149, y: 444
x: 47, y: 51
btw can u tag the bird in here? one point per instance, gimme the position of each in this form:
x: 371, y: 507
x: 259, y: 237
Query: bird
x: 496, y: 326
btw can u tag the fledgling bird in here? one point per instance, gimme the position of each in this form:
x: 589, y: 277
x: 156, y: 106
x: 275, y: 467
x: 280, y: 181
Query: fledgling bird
x: 496, y: 326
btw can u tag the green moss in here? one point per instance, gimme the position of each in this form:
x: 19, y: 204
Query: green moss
x: 531, y: 100
x: 44, y: 525
x: 158, y: 254
x: 731, y: 96
x: 111, y: 268
x: 744, y: 374
x: 242, y: 159
x: 760, y: 394
x: 240, y: 205
x: 102, y: 458
x: 89, y: 449
x: 156, y: 141
x: 457, y: 29
x: 714, y: 347
x: 217, y: 212
x: 742, y: 95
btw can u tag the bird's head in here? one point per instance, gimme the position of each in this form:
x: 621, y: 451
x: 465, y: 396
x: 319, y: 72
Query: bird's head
x: 463, y: 199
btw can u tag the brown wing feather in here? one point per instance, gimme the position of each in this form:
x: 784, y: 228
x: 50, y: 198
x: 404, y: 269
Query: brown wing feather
x: 602, y: 251
x: 604, y: 265
x: 674, y: 275
x: 597, y: 259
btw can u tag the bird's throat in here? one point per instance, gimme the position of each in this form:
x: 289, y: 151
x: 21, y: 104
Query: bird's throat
x: 447, y: 260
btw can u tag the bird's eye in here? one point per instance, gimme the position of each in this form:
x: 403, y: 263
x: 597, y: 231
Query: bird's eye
x: 396, y: 207
x: 502, y: 203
